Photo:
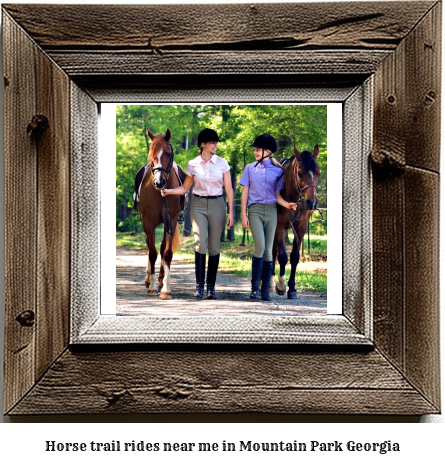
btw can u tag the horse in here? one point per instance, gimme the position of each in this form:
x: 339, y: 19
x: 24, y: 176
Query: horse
x: 156, y: 209
x: 300, y: 173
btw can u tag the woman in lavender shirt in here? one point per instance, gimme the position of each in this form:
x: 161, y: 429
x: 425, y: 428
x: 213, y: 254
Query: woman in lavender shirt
x: 262, y: 182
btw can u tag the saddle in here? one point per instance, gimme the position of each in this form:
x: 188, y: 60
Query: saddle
x: 142, y: 173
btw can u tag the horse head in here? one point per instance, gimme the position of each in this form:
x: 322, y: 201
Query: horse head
x: 161, y: 157
x: 306, y: 173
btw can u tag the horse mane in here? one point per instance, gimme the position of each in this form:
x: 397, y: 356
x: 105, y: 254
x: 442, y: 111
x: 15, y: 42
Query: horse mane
x: 309, y: 164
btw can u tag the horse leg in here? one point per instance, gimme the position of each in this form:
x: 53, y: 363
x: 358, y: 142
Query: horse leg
x: 294, y: 259
x: 282, y: 260
x: 152, y: 256
x: 161, y: 271
x: 168, y: 255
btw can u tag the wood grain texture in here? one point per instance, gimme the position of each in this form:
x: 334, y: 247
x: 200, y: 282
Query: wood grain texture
x: 40, y: 233
x: 122, y: 63
x: 20, y: 213
x: 333, y: 329
x: 248, y: 88
x: 422, y: 364
x: 53, y: 228
x: 423, y: 91
x: 407, y: 133
x: 85, y: 211
x: 275, y: 26
x: 222, y: 382
x: 398, y: 42
x: 357, y: 209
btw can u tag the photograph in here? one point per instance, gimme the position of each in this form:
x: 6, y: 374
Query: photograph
x: 173, y: 256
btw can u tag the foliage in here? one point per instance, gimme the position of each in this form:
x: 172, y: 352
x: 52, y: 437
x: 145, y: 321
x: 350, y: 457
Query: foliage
x: 237, y: 126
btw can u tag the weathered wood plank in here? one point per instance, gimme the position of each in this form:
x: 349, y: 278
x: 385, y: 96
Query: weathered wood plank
x: 422, y: 281
x: 130, y: 62
x: 377, y: 25
x: 85, y: 208
x: 423, y: 92
x: 357, y: 209
x: 20, y: 213
x: 407, y: 132
x: 248, y: 88
x: 389, y: 157
x: 221, y: 382
x: 53, y: 229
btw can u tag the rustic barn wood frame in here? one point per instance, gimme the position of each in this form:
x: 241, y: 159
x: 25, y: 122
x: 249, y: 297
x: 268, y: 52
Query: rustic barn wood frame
x: 380, y: 358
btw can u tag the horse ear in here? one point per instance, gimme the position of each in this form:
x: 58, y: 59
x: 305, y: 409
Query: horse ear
x: 315, y: 153
x: 168, y: 135
x: 150, y: 134
x: 297, y: 154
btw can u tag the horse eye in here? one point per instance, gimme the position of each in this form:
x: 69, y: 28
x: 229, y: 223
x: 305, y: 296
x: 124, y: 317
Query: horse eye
x: 299, y: 175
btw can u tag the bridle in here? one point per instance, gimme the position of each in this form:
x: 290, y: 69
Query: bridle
x: 301, y: 191
x: 166, y: 171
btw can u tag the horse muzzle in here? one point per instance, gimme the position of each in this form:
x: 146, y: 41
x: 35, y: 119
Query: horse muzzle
x: 159, y: 185
x: 310, y: 205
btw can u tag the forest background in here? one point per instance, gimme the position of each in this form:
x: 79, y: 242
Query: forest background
x: 237, y: 126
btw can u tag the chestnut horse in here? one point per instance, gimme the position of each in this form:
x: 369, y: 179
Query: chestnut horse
x: 155, y: 210
x: 300, y: 176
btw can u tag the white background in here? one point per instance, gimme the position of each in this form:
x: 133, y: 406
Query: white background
x: 107, y: 173
x: 24, y: 440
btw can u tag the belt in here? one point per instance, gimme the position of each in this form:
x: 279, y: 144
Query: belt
x: 208, y: 196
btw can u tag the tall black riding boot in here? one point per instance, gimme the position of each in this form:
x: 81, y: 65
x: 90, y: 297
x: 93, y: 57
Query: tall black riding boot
x: 257, y: 265
x: 212, y: 270
x: 200, y: 270
x: 265, y: 280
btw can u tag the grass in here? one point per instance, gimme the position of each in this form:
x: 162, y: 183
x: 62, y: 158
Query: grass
x: 236, y: 258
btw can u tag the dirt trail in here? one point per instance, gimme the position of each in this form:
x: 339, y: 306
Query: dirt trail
x: 232, y: 291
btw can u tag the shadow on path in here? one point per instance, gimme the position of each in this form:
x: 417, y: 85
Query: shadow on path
x: 232, y: 291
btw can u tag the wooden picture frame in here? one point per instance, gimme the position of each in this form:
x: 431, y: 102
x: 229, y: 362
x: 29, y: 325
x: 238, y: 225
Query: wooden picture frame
x: 380, y: 357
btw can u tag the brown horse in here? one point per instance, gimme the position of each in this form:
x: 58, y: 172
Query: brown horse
x: 300, y: 177
x: 154, y: 211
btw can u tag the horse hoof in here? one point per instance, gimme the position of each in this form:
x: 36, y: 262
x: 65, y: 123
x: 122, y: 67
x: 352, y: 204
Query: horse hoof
x: 152, y: 293
x: 165, y: 295
x: 292, y: 295
x: 272, y: 288
x: 280, y: 292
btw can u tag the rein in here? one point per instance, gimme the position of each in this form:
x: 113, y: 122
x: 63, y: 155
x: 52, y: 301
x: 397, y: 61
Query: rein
x: 293, y: 216
x: 165, y: 210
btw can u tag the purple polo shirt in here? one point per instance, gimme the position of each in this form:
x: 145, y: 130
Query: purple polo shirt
x: 262, y: 182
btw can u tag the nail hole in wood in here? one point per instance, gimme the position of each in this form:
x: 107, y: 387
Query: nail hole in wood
x: 26, y: 318
x: 37, y: 126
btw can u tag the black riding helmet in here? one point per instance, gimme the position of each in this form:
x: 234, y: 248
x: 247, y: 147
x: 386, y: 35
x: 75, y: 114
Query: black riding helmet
x: 207, y: 135
x: 265, y: 141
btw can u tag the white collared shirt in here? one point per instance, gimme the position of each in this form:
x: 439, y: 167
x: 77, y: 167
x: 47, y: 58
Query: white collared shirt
x: 208, y: 176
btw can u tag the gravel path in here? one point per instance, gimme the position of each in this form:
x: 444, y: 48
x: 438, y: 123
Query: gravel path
x: 232, y: 292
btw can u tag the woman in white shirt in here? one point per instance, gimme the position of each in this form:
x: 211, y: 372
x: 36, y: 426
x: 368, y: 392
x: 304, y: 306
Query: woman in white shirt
x: 210, y: 173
